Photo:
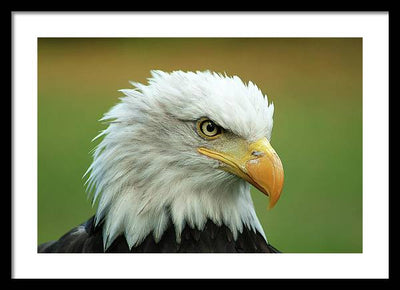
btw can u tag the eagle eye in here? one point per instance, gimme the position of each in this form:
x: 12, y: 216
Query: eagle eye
x: 208, y: 129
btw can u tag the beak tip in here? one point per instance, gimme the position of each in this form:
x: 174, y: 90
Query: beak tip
x: 272, y: 204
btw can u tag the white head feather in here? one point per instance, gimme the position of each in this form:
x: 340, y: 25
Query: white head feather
x: 147, y: 171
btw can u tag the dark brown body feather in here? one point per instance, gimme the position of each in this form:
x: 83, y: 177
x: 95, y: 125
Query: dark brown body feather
x: 212, y: 239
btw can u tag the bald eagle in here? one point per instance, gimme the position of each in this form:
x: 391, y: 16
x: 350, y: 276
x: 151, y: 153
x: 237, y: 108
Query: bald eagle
x: 173, y: 170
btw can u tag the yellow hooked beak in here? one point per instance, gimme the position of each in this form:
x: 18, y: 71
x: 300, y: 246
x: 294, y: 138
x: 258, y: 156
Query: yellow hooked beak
x: 257, y: 163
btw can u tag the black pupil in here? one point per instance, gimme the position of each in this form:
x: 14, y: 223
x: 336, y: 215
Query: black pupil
x: 210, y: 127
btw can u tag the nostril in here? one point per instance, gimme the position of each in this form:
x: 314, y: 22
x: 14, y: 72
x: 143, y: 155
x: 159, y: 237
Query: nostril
x: 257, y: 153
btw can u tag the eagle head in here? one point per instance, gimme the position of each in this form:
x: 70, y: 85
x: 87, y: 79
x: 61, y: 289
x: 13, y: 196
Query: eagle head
x: 183, y: 149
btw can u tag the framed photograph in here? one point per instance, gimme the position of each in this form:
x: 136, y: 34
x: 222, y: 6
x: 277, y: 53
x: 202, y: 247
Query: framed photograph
x: 193, y: 143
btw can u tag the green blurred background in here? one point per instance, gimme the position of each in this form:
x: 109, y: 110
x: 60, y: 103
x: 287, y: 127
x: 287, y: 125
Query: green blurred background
x: 316, y: 87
